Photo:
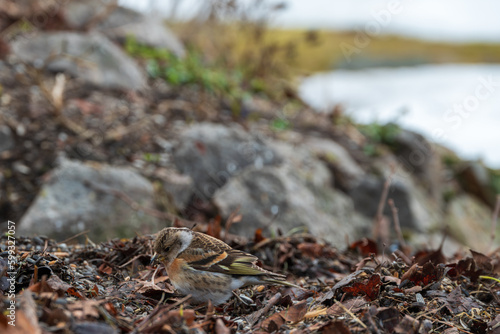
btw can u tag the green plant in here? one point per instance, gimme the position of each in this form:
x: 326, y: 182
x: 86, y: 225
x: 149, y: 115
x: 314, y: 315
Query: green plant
x: 193, y: 69
x: 450, y: 160
x: 381, y: 133
x: 280, y: 124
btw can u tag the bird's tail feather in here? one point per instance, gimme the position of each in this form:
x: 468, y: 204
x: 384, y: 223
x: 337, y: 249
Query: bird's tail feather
x: 282, y: 282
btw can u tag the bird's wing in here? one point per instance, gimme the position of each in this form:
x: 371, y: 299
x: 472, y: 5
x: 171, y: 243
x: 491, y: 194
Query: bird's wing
x: 230, y: 262
x: 211, y: 254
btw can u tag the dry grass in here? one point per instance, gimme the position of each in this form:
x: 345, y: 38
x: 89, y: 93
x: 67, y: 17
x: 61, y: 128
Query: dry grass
x: 304, y: 52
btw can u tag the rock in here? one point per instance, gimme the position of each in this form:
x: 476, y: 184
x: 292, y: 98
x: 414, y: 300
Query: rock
x: 311, y: 170
x: 6, y: 139
x: 213, y: 153
x: 418, y: 157
x: 148, y: 31
x: 417, y: 211
x: 279, y: 196
x: 67, y: 204
x: 91, y: 57
x: 469, y: 222
x: 296, y: 193
x: 92, y: 327
x: 346, y: 171
x: 414, y: 151
x: 475, y: 179
x: 180, y: 188
x: 121, y: 23
x: 432, y: 241
x: 366, y: 196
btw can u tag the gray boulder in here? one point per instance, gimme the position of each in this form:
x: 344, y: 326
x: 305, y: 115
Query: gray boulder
x: 213, y: 153
x: 296, y: 193
x: 91, y: 57
x: 417, y: 155
x: 69, y: 203
x: 475, y: 179
x: 469, y: 222
x: 366, y: 196
x: 180, y: 188
x: 121, y: 23
x: 346, y: 171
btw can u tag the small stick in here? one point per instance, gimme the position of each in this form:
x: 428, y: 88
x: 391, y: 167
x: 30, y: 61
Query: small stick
x: 73, y: 237
x: 351, y: 314
x: 257, y: 315
x: 397, y: 226
x: 379, y: 216
x: 494, y: 220
x: 399, y: 254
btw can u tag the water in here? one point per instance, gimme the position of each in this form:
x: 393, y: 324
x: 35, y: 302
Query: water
x: 455, y: 105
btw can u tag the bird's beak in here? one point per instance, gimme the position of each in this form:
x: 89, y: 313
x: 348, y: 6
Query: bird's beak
x: 154, y: 258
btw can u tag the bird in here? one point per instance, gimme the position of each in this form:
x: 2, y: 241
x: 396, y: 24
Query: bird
x: 207, y: 268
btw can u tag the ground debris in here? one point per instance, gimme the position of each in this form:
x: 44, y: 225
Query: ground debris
x: 112, y: 288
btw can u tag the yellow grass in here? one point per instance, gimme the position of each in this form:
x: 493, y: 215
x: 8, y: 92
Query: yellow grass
x: 306, y: 52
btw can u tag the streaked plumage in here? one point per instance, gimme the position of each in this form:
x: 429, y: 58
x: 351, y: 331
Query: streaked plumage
x: 206, y: 267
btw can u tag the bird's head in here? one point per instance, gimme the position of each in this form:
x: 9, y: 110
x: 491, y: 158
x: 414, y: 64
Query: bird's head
x: 170, y: 242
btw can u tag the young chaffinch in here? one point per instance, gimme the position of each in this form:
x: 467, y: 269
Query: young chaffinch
x: 207, y: 268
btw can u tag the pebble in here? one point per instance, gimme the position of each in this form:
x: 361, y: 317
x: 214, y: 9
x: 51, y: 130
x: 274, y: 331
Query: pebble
x: 246, y: 299
x: 61, y: 301
x: 38, y: 241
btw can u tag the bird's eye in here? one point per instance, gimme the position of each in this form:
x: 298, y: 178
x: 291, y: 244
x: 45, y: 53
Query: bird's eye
x: 167, y: 249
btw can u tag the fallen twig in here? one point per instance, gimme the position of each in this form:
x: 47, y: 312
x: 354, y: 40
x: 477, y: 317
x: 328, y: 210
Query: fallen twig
x: 397, y: 226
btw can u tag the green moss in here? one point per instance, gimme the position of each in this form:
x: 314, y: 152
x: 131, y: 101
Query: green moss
x: 151, y: 157
x: 280, y: 124
x: 381, y: 133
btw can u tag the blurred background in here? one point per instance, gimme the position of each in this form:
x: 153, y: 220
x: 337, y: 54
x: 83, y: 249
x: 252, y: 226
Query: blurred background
x: 416, y: 63
x: 275, y: 115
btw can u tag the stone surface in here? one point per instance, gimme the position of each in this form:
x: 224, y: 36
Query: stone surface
x: 346, y: 171
x: 469, y: 222
x: 212, y: 153
x: 151, y: 32
x: 91, y: 57
x: 417, y: 155
x: 414, y: 151
x: 122, y: 22
x: 295, y: 193
x: 67, y: 205
x: 366, y: 196
x: 180, y: 188
x: 278, y: 197
x: 475, y: 179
